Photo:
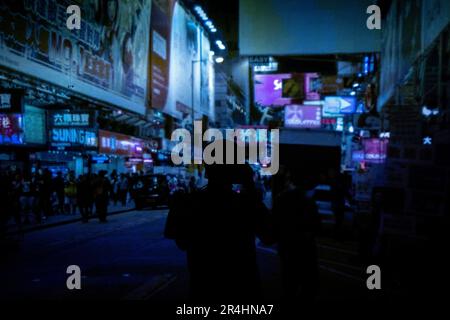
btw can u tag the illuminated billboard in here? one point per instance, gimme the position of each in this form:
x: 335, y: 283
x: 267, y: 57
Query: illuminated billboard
x: 304, y: 27
x: 11, y: 129
x: 375, y: 150
x: 106, y: 59
x: 120, y: 144
x: 302, y: 116
x: 269, y: 89
x: 182, y: 71
x: 73, y: 138
x: 338, y: 105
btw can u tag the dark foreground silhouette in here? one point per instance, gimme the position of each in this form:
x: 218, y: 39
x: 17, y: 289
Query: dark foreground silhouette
x: 217, y: 226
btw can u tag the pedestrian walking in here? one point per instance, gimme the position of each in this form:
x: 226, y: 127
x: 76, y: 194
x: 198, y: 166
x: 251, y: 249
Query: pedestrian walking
x: 102, y: 188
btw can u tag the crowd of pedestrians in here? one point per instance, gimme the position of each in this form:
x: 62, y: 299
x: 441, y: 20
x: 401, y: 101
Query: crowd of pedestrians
x: 32, y: 198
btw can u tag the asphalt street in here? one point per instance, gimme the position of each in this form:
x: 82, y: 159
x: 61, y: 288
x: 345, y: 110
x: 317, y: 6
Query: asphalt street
x: 129, y: 259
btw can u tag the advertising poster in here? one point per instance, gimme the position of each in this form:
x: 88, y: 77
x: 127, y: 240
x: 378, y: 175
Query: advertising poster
x: 119, y: 144
x: 305, y: 27
x: 184, y: 49
x: 181, y: 71
x: 11, y: 129
x: 34, y: 125
x: 375, y: 150
x: 106, y: 59
x: 312, y: 86
x: 206, y: 80
x: 303, y: 116
x: 269, y: 89
x: 159, y: 57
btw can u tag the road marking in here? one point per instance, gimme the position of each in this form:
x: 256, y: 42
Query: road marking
x: 341, y: 264
x: 338, y: 249
x: 151, y: 287
x: 344, y: 274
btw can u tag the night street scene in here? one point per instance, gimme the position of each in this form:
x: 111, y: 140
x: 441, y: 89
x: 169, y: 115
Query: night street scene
x: 225, y: 159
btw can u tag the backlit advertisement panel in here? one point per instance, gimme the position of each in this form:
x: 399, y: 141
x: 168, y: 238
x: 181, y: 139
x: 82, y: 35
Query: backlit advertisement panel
x: 106, y: 59
x: 159, y: 57
x: 337, y: 105
x: 189, y: 78
x: 120, y: 144
x: 303, y: 27
x: 11, y: 129
x: 73, y: 138
x: 302, y: 116
x: 269, y: 89
x: 375, y: 150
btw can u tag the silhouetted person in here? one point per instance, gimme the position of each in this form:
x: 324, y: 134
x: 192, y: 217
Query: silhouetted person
x: 84, y: 193
x: 192, y: 184
x: 217, y: 227
x: 45, y: 193
x: 338, y: 194
x: 102, y: 188
x: 296, y: 222
x: 58, y: 185
x: 16, y: 189
x: 5, y: 209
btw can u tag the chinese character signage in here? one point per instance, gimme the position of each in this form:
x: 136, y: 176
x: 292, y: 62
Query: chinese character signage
x: 11, y: 129
x: 120, y: 144
x: 11, y: 100
x: 105, y: 59
x: 65, y: 118
x: 72, y: 130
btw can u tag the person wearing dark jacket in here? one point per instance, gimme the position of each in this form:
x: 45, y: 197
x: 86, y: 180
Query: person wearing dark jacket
x: 102, y: 188
x: 296, y: 223
x: 217, y: 226
x: 58, y: 187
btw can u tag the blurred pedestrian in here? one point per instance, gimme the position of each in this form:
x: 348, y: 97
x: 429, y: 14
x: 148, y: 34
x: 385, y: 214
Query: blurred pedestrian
x: 123, y: 189
x: 338, y: 194
x: 70, y: 191
x: 15, y: 193
x: 84, y: 192
x: 102, y: 188
x: 192, y: 184
x: 26, y: 199
x: 217, y: 228
x: 45, y: 194
x: 115, y: 189
x: 58, y: 188
x: 296, y: 223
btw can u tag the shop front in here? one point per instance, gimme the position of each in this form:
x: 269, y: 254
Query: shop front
x: 120, y: 152
x: 72, y: 137
x: 22, y: 131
